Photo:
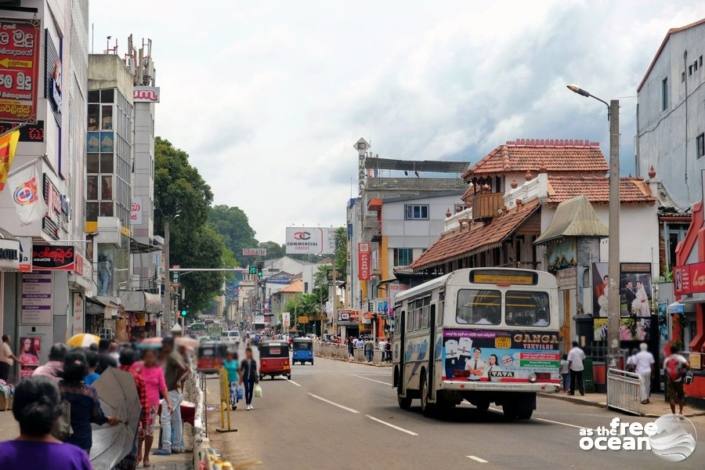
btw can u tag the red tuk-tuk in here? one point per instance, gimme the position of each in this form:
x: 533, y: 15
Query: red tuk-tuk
x: 274, y: 359
x: 211, y: 355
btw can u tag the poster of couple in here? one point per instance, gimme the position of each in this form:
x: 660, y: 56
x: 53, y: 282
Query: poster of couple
x: 634, y: 289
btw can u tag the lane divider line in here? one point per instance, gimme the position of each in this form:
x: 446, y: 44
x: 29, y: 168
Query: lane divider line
x: 373, y: 380
x: 476, y: 459
x: 559, y: 422
x: 292, y: 382
x: 342, y: 407
x: 411, y: 433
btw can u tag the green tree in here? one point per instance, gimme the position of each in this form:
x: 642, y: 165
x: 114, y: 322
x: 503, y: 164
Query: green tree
x: 232, y: 223
x: 321, y: 279
x: 303, y: 304
x: 341, y: 252
x: 274, y: 249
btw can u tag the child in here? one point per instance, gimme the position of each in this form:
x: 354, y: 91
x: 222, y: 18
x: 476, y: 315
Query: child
x: 565, y: 373
x: 231, y: 364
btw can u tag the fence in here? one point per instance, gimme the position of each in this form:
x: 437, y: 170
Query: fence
x: 623, y: 391
x: 340, y: 351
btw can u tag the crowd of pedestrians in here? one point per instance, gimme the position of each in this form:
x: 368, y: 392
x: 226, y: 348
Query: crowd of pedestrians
x: 57, y: 404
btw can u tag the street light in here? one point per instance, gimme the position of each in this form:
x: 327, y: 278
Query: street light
x: 613, y: 303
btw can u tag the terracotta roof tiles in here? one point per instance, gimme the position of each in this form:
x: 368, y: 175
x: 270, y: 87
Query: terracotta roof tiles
x: 596, y: 189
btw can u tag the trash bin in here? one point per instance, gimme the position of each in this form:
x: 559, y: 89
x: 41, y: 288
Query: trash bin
x: 599, y: 371
x: 588, y: 379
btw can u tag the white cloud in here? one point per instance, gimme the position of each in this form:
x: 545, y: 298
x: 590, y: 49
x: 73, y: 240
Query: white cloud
x: 268, y: 97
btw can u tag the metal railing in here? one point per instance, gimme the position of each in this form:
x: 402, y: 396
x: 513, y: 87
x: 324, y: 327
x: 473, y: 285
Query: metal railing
x: 340, y: 351
x: 624, y: 391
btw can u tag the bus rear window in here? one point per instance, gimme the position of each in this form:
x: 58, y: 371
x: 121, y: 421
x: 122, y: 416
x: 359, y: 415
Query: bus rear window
x: 527, y: 308
x: 479, y: 307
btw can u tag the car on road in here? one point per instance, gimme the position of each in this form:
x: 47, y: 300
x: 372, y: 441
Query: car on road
x: 231, y: 337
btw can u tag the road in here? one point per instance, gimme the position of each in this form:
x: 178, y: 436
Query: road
x: 337, y: 415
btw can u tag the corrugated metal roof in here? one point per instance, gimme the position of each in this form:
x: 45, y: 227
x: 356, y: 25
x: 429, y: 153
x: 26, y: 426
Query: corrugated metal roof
x: 574, y: 218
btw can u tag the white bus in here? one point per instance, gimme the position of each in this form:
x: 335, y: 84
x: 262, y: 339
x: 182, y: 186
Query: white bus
x: 486, y: 335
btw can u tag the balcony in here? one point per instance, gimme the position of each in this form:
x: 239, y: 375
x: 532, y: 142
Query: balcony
x: 486, y: 205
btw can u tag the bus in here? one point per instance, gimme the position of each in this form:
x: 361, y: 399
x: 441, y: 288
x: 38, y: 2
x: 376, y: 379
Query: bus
x: 485, y: 335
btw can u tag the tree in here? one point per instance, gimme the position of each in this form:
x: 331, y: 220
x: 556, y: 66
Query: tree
x: 341, y: 252
x: 274, y: 249
x: 321, y: 279
x: 303, y: 304
x: 232, y: 223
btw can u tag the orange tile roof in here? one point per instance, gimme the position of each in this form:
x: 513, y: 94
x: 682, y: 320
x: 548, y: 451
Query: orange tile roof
x: 295, y: 287
x: 463, y: 242
x: 596, y: 189
x: 541, y: 155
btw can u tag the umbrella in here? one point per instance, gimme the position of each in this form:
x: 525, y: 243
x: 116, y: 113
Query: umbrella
x: 118, y: 397
x: 82, y: 340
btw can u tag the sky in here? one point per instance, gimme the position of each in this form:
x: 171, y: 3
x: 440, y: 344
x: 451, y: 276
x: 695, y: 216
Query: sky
x: 268, y: 97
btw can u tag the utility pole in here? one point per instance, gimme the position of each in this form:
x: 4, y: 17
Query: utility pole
x: 334, y: 297
x: 166, y: 297
x: 613, y: 301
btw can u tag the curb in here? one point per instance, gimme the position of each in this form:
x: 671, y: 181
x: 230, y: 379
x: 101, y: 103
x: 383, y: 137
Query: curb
x: 602, y: 404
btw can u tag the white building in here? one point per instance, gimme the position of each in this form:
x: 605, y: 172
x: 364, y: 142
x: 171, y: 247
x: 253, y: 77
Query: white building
x: 671, y: 115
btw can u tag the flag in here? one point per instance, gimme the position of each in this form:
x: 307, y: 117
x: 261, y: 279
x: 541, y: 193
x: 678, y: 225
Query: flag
x: 26, y: 194
x: 8, y: 146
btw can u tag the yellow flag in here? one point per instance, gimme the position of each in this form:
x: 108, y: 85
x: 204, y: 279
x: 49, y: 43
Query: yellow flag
x: 8, y: 146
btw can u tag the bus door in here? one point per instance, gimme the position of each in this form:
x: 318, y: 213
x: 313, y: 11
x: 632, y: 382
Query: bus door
x: 432, y: 354
x: 402, y: 343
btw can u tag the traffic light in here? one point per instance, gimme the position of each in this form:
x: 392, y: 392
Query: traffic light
x: 183, y: 313
x: 260, y: 266
x: 252, y: 269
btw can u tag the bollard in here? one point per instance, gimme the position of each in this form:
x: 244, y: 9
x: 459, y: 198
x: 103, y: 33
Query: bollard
x: 224, y: 402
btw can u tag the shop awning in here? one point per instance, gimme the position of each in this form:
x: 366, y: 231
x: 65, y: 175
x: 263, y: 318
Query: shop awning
x: 574, y: 218
x: 140, y: 301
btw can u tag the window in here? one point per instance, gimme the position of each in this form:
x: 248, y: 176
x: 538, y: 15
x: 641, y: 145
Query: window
x: 416, y: 212
x: 526, y: 308
x: 700, y: 145
x: 403, y: 256
x: 92, y: 188
x: 479, y: 307
x: 92, y: 163
x: 664, y: 94
x: 700, y: 61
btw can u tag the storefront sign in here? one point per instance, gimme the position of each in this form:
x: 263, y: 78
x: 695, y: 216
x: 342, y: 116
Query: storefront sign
x: 567, y: 278
x: 689, y: 279
x: 695, y: 360
x: 25, y: 254
x: 36, y: 298
x: 19, y: 58
x: 78, y: 313
x: 9, y: 254
x: 254, y: 252
x: 136, y: 211
x: 28, y: 132
x: 146, y: 94
x: 363, y: 261
x: 54, y: 258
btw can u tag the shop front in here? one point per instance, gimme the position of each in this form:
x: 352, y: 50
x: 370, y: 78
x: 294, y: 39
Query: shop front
x: 142, y: 309
x: 688, y: 320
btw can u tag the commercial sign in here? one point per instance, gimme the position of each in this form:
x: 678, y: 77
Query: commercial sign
x: 363, y: 261
x: 19, y: 69
x: 689, y: 279
x: 28, y: 132
x: 9, y: 253
x: 254, y: 252
x: 54, y: 258
x: 146, y: 94
x: 36, y: 298
x: 25, y: 254
x: 78, y: 313
x: 136, y: 211
x: 310, y: 241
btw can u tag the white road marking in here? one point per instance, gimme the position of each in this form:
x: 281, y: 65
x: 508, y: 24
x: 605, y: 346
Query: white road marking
x: 411, y: 433
x: 373, y: 380
x: 559, y: 422
x: 476, y: 459
x: 292, y: 382
x: 342, y: 407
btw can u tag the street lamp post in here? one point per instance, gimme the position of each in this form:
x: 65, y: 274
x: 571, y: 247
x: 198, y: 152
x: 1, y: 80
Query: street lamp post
x: 613, y: 296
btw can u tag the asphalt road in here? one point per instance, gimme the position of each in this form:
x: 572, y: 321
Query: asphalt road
x: 337, y: 415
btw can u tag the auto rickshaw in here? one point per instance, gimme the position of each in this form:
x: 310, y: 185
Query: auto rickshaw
x: 211, y: 355
x: 274, y: 359
x: 303, y: 350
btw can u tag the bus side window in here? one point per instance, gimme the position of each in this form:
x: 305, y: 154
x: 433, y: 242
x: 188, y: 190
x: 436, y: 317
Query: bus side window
x: 439, y: 314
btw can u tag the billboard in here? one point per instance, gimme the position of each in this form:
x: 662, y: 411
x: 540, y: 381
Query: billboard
x: 19, y: 57
x: 254, y: 252
x: 363, y: 261
x: 310, y: 241
x: 146, y: 94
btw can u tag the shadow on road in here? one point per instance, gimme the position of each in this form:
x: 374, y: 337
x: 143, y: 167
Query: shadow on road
x: 467, y: 414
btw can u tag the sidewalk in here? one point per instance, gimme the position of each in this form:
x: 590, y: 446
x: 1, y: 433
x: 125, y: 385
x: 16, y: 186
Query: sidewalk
x: 657, y: 407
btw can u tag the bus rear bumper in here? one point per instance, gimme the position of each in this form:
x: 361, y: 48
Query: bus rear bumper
x: 467, y: 386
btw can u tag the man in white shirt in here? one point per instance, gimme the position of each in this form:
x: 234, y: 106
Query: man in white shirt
x: 7, y: 358
x: 576, y: 356
x: 643, y: 361
x: 475, y: 365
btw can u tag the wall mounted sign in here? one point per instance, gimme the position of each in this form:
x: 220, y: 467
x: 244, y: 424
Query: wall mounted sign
x: 54, y: 258
x: 19, y: 61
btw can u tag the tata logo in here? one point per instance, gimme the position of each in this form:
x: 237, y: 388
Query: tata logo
x: 302, y: 235
x: 501, y: 373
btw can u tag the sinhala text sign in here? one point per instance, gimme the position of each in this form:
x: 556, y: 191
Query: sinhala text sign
x: 19, y: 69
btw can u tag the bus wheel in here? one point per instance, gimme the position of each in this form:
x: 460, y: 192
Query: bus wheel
x: 404, y: 402
x: 510, y: 410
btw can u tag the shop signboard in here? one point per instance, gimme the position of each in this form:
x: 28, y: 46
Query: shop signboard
x: 498, y: 356
x: 9, y: 253
x: 689, y: 279
x: 310, y: 240
x: 37, y: 298
x: 363, y: 261
x: 54, y: 258
x: 19, y: 58
x: 254, y: 252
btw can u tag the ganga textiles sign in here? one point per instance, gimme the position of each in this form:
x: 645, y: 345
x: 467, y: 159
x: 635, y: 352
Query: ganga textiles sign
x: 19, y: 69
x: 54, y: 258
x: 689, y: 279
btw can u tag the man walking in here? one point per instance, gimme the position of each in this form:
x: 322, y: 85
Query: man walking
x: 576, y: 356
x: 172, y: 427
x: 643, y: 361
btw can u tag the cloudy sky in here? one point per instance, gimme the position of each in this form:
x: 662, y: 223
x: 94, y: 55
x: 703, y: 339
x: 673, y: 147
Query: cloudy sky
x: 269, y: 97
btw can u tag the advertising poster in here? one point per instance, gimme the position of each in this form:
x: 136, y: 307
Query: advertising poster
x: 600, y: 288
x: 500, y: 356
x: 36, y: 298
x: 363, y: 261
x: 54, y: 258
x: 635, y: 289
x: 310, y: 241
x: 630, y: 329
x: 20, y: 56
x: 561, y: 255
x: 30, y: 347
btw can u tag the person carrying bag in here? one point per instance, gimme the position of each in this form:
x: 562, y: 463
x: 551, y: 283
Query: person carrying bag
x: 249, y: 377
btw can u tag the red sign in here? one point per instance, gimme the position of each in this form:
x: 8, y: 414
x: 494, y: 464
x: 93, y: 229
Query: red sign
x: 363, y: 261
x: 19, y: 69
x: 54, y: 258
x: 689, y: 279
